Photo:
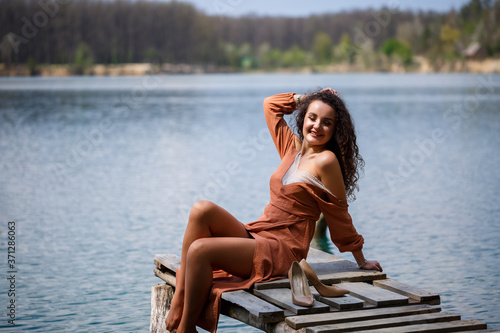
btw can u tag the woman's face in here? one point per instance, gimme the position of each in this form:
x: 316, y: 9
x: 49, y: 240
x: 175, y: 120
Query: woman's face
x: 319, y: 123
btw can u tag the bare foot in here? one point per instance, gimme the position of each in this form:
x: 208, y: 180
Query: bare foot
x: 175, y: 313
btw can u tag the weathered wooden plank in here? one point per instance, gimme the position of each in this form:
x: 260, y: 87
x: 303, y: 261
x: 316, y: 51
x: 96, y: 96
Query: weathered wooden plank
x: 298, y: 322
x: 346, y: 302
x: 258, y: 309
x: 331, y: 272
x: 165, y: 276
x: 417, y: 294
x: 316, y: 255
x: 173, y: 262
x: 319, y: 261
x: 385, y: 323
x: 161, y: 296
x: 374, y: 295
x: 452, y: 326
x: 282, y: 297
x: 281, y: 283
x: 283, y: 327
x: 329, y: 268
x: 169, y: 261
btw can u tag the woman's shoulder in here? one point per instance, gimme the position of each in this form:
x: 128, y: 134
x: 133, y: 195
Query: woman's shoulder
x: 327, y: 160
x: 330, y: 173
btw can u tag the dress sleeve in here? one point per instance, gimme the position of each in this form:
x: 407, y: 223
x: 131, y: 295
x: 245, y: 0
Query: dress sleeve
x: 342, y: 232
x: 275, y: 107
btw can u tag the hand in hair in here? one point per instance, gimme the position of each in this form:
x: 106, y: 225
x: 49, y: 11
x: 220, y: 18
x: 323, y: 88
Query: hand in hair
x: 333, y: 91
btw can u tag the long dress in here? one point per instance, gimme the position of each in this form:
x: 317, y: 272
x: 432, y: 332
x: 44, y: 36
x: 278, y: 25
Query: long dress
x: 285, y: 229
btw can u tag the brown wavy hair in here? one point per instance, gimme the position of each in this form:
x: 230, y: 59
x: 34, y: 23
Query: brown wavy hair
x: 343, y: 142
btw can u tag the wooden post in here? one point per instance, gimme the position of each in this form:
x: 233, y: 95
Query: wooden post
x: 161, y: 297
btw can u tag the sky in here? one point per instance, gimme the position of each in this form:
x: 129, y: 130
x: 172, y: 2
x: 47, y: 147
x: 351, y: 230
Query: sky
x: 297, y: 8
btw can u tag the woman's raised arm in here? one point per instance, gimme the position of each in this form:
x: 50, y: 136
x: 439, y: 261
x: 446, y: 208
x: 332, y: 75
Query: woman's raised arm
x: 275, y: 107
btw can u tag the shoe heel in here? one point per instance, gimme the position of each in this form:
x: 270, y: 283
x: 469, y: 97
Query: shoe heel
x: 323, y: 290
x: 301, y: 294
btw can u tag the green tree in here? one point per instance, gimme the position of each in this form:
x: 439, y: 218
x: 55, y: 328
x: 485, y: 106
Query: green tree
x: 153, y: 56
x: 396, y: 49
x: 84, y: 58
x: 232, y: 55
x: 424, y: 39
x: 273, y: 58
x: 246, y: 56
x: 472, y: 11
x: 32, y: 65
x: 345, y: 50
x: 294, y: 57
x: 449, y: 36
x: 322, y: 48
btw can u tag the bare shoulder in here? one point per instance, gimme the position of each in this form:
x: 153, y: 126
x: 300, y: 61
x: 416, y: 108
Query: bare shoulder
x: 327, y: 161
x: 330, y: 173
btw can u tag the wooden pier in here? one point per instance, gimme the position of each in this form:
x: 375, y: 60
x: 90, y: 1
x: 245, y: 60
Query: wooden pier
x: 375, y: 303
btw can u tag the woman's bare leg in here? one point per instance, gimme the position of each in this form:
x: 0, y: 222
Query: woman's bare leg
x: 205, y: 220
x: 233, y: 255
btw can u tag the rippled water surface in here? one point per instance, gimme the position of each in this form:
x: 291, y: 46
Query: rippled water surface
x: 99, y: 173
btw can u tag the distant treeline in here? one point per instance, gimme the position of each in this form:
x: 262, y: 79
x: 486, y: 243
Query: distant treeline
x: 84, y: 32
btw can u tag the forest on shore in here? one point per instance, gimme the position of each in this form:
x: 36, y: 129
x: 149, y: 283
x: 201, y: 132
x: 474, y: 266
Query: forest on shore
x: 83, y: 33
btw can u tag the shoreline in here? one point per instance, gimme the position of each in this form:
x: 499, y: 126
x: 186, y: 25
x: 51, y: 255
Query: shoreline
x: 420, y: 65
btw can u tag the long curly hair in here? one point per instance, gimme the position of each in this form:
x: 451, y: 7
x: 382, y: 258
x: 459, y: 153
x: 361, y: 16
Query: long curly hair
x: 343, y: 142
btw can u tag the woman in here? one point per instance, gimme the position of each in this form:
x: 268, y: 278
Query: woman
x: 317, y: 174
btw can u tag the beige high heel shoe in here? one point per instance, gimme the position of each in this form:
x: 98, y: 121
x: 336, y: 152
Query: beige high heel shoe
x: 301, y: 294
x: 323, y: 290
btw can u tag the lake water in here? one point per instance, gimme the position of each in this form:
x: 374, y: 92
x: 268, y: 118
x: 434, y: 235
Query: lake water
x: 99, y: 173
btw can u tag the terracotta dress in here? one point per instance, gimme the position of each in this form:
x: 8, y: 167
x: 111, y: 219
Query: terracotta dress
x: 285, y: 230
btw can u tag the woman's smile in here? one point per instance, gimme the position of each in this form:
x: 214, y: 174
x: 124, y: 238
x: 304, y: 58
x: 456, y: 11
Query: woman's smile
x: 314, y: 132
